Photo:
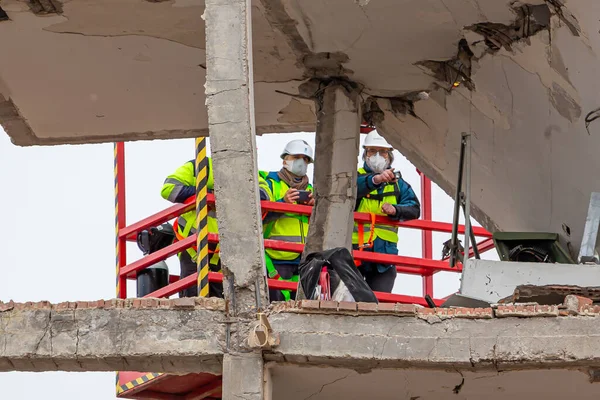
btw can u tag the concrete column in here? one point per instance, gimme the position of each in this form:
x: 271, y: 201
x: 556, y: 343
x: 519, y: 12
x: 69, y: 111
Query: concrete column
x: 230, y: 102
x: 243, y: 377
x: 337, y: 142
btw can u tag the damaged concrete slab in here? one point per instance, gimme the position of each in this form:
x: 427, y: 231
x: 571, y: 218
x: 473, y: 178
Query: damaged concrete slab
x: 299, y: 383
x: 188, y: 335
x: 181, y: 335
x: 494, y: 280
x: 520, y: 75
x: 351, y: 348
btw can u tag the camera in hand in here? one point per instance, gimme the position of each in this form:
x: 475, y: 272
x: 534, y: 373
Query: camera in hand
x: 304, y: 197
x: 397, y: 175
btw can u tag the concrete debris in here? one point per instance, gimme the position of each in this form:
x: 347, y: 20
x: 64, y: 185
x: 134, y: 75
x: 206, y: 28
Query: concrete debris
x: 372, y: 113
x: 524, y: 311
x: 326, y: 65
x: 455, y: 71
x: 43, y: 7
x: 530, y: 20
x: 551, y: 294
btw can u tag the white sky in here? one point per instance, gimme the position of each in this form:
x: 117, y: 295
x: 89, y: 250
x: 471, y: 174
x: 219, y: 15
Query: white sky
x: 57, y: 242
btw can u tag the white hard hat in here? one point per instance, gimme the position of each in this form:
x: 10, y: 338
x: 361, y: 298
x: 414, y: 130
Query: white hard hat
x: 374, y: 139
x: 296, y: 147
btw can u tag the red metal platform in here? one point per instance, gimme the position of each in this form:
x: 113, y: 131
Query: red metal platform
x: 142, y: 385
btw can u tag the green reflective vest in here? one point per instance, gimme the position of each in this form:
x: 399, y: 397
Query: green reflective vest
x: 186, y: 176
x: 286, y: 227
x: 371, y: 204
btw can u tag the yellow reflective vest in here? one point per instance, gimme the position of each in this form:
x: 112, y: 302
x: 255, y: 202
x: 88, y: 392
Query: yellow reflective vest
x: 286, y: 227
x: 371, y: 204
x: 173, y: 186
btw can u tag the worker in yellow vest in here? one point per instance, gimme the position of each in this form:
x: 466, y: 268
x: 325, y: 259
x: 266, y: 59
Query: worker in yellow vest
x: 289, y: 185
x: 177, y: 188
x: 380, y: 191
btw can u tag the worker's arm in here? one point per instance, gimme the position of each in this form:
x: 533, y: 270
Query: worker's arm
x: 180, y: 185
x: 365, y: 185
x: 264, y: 189
x: 408, y: 206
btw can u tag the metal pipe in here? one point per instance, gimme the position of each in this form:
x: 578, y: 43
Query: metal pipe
x: 467, y: 138
x: 454, y: 239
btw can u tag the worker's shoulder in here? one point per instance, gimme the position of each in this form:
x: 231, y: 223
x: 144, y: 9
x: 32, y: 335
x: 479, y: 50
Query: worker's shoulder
x: 272, y: 175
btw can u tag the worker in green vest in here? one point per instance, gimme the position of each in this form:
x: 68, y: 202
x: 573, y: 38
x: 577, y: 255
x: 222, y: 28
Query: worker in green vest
x: 289, y: 185
x: 177, y: 188
x: 381, y: 192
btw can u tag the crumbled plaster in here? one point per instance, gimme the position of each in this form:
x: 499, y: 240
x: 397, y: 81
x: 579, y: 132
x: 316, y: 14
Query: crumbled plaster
x: 530, y: 20
x: 296, y: 112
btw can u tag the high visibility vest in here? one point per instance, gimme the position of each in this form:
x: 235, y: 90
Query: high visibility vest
x: 286, y: 227
x: 371, y: 204
x: 186, y: 223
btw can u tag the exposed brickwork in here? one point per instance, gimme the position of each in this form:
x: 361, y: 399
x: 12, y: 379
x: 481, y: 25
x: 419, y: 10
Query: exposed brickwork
x: 214, y: 304
x: 346, y: 306
x: 526, y: 310
x: 574, y: 305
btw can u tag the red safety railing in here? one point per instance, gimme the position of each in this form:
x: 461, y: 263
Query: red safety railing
x: 425, y: 266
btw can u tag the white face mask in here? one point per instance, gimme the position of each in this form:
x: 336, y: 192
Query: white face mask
x: 297, y: 167
x: 377, y: 163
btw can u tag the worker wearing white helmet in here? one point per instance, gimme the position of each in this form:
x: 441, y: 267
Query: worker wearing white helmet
x: 380, y: 191
x: 289, y: 185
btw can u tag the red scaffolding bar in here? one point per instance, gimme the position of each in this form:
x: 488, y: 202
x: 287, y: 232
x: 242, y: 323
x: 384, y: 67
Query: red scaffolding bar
x: 426, y: 236
x: 425, y: 266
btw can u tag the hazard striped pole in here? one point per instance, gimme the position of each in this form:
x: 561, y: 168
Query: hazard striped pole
x: 202, y: 216
x: 119, y: 173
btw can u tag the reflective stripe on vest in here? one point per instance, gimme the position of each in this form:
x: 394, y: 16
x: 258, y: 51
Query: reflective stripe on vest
x: 385, y: 232
x: 185, y: 228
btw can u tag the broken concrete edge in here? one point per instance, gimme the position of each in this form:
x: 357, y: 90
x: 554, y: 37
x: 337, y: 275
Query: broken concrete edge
x: 186, y: 303
x: 22, y: 135
x: 573, y: 305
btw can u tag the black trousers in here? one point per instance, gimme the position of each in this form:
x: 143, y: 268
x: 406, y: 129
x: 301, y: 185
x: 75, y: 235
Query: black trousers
x: 188, y: 267
x: 378, y: 281
x: 286, y: 271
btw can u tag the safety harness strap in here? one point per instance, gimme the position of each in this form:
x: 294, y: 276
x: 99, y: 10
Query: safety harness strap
x: 361, y: 236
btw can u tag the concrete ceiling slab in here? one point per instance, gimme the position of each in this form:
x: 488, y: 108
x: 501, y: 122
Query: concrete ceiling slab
x: 104, y: 70
x: 301, y: 383
x: 126, y: 70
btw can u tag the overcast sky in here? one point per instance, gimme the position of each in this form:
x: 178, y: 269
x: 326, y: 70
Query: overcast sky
x: 57, y: 240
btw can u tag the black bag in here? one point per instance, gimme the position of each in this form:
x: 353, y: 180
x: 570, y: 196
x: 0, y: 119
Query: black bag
x: 342, y: 272
x: 156, y: 238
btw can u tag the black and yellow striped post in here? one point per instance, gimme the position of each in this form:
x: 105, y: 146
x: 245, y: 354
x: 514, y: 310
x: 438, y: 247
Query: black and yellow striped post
x: 119, y: 174
x: 202, y: 216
